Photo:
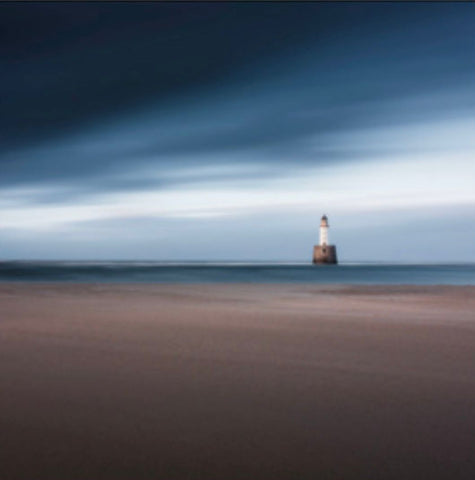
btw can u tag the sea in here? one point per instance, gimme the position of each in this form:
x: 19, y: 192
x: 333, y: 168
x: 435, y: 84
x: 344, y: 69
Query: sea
x: 234, y: 272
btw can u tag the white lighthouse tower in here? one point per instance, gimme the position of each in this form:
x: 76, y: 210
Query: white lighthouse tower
x: 324, y: 252
x: 324, y: 230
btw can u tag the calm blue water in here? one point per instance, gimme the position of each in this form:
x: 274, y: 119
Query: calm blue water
x: 159, y: 272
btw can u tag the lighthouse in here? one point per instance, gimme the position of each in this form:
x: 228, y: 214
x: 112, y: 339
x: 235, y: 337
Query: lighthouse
x: 324, y: 252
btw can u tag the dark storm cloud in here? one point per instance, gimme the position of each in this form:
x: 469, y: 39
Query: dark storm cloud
x: 271, y: 79
x: 64, y: 65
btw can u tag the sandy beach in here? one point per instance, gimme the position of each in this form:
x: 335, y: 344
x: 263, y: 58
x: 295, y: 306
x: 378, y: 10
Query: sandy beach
x: 236, y: 382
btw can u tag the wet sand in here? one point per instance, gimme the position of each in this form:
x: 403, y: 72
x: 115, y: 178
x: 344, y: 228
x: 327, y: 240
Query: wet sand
x: 236, y: 382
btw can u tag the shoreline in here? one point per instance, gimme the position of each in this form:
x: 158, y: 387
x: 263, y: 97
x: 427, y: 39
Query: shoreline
x: 255, y: 274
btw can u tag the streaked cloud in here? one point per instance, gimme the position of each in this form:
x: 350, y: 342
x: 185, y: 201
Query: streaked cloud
x: 220, y: 113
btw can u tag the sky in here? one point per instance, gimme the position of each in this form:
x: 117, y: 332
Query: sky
x: 223, y: 131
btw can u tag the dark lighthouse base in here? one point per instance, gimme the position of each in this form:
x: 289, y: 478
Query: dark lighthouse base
x: 325, y: 254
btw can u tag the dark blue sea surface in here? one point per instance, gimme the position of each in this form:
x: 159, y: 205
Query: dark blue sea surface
x: 160, y: 272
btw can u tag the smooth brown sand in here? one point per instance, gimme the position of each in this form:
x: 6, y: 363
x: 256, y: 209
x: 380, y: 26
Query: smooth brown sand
x: 236, y: 382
